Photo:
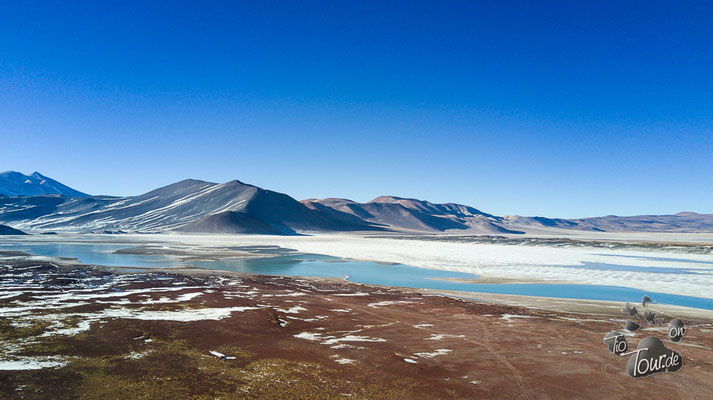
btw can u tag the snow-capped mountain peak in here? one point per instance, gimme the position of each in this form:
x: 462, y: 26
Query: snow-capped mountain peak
x: 13, y: 183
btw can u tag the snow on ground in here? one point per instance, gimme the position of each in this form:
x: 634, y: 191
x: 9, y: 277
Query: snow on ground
x: 342, y: 360
x: 82, y: 326
x: 357, y: 294
x: 437, y: 352
x: 136, y: 356
x: 352, y: 338
x: 291, y: 310
x: 509, y: 317
x: 309, y: 336
x: 187, y: 315
x: 441, y: 336
x: 30, y: 363
x: 333, y: 340
x: 387, y: 303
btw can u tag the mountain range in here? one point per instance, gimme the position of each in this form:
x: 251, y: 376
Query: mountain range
x: 17, y: 184
x: 43, y: 204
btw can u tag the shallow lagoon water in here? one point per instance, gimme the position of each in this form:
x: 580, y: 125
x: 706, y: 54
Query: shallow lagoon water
x: 406, y: 276
x: 89, y: 253
x: 314, y: 265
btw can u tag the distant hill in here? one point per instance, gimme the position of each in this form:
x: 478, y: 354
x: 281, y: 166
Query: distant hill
x: 542, y: 222
x: 6, y: 230
x: 682, y: 222
x: 398, y: 213
x: 14, y: 183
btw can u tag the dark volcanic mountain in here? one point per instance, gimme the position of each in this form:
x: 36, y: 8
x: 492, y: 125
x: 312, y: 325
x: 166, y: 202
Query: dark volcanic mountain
x: 265, y: 211
x: 399, y: 213
x: 17, y: 184
x: 230, y: 222
x: 6, y: 230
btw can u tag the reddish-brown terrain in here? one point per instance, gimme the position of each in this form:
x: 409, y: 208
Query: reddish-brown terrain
x: 149, y: 336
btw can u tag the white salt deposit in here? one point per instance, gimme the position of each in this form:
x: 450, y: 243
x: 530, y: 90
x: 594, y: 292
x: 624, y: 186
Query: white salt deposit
x: 540, y: 263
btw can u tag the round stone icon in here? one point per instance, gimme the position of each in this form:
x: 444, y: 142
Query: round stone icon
x: 676, y: 330
x: 616, y: 341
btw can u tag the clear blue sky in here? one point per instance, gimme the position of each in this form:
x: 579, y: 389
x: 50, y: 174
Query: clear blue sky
x: 566, y: 109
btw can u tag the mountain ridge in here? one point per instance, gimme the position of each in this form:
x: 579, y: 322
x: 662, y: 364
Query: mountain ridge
x: 193, y: 205
x: 189, y: 205
x: 416, y: 215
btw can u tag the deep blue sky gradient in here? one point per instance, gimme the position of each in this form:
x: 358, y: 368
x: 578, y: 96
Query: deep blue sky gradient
x: 563, y: 109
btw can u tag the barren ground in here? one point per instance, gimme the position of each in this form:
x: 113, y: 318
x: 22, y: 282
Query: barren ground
x: 92, y: 333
